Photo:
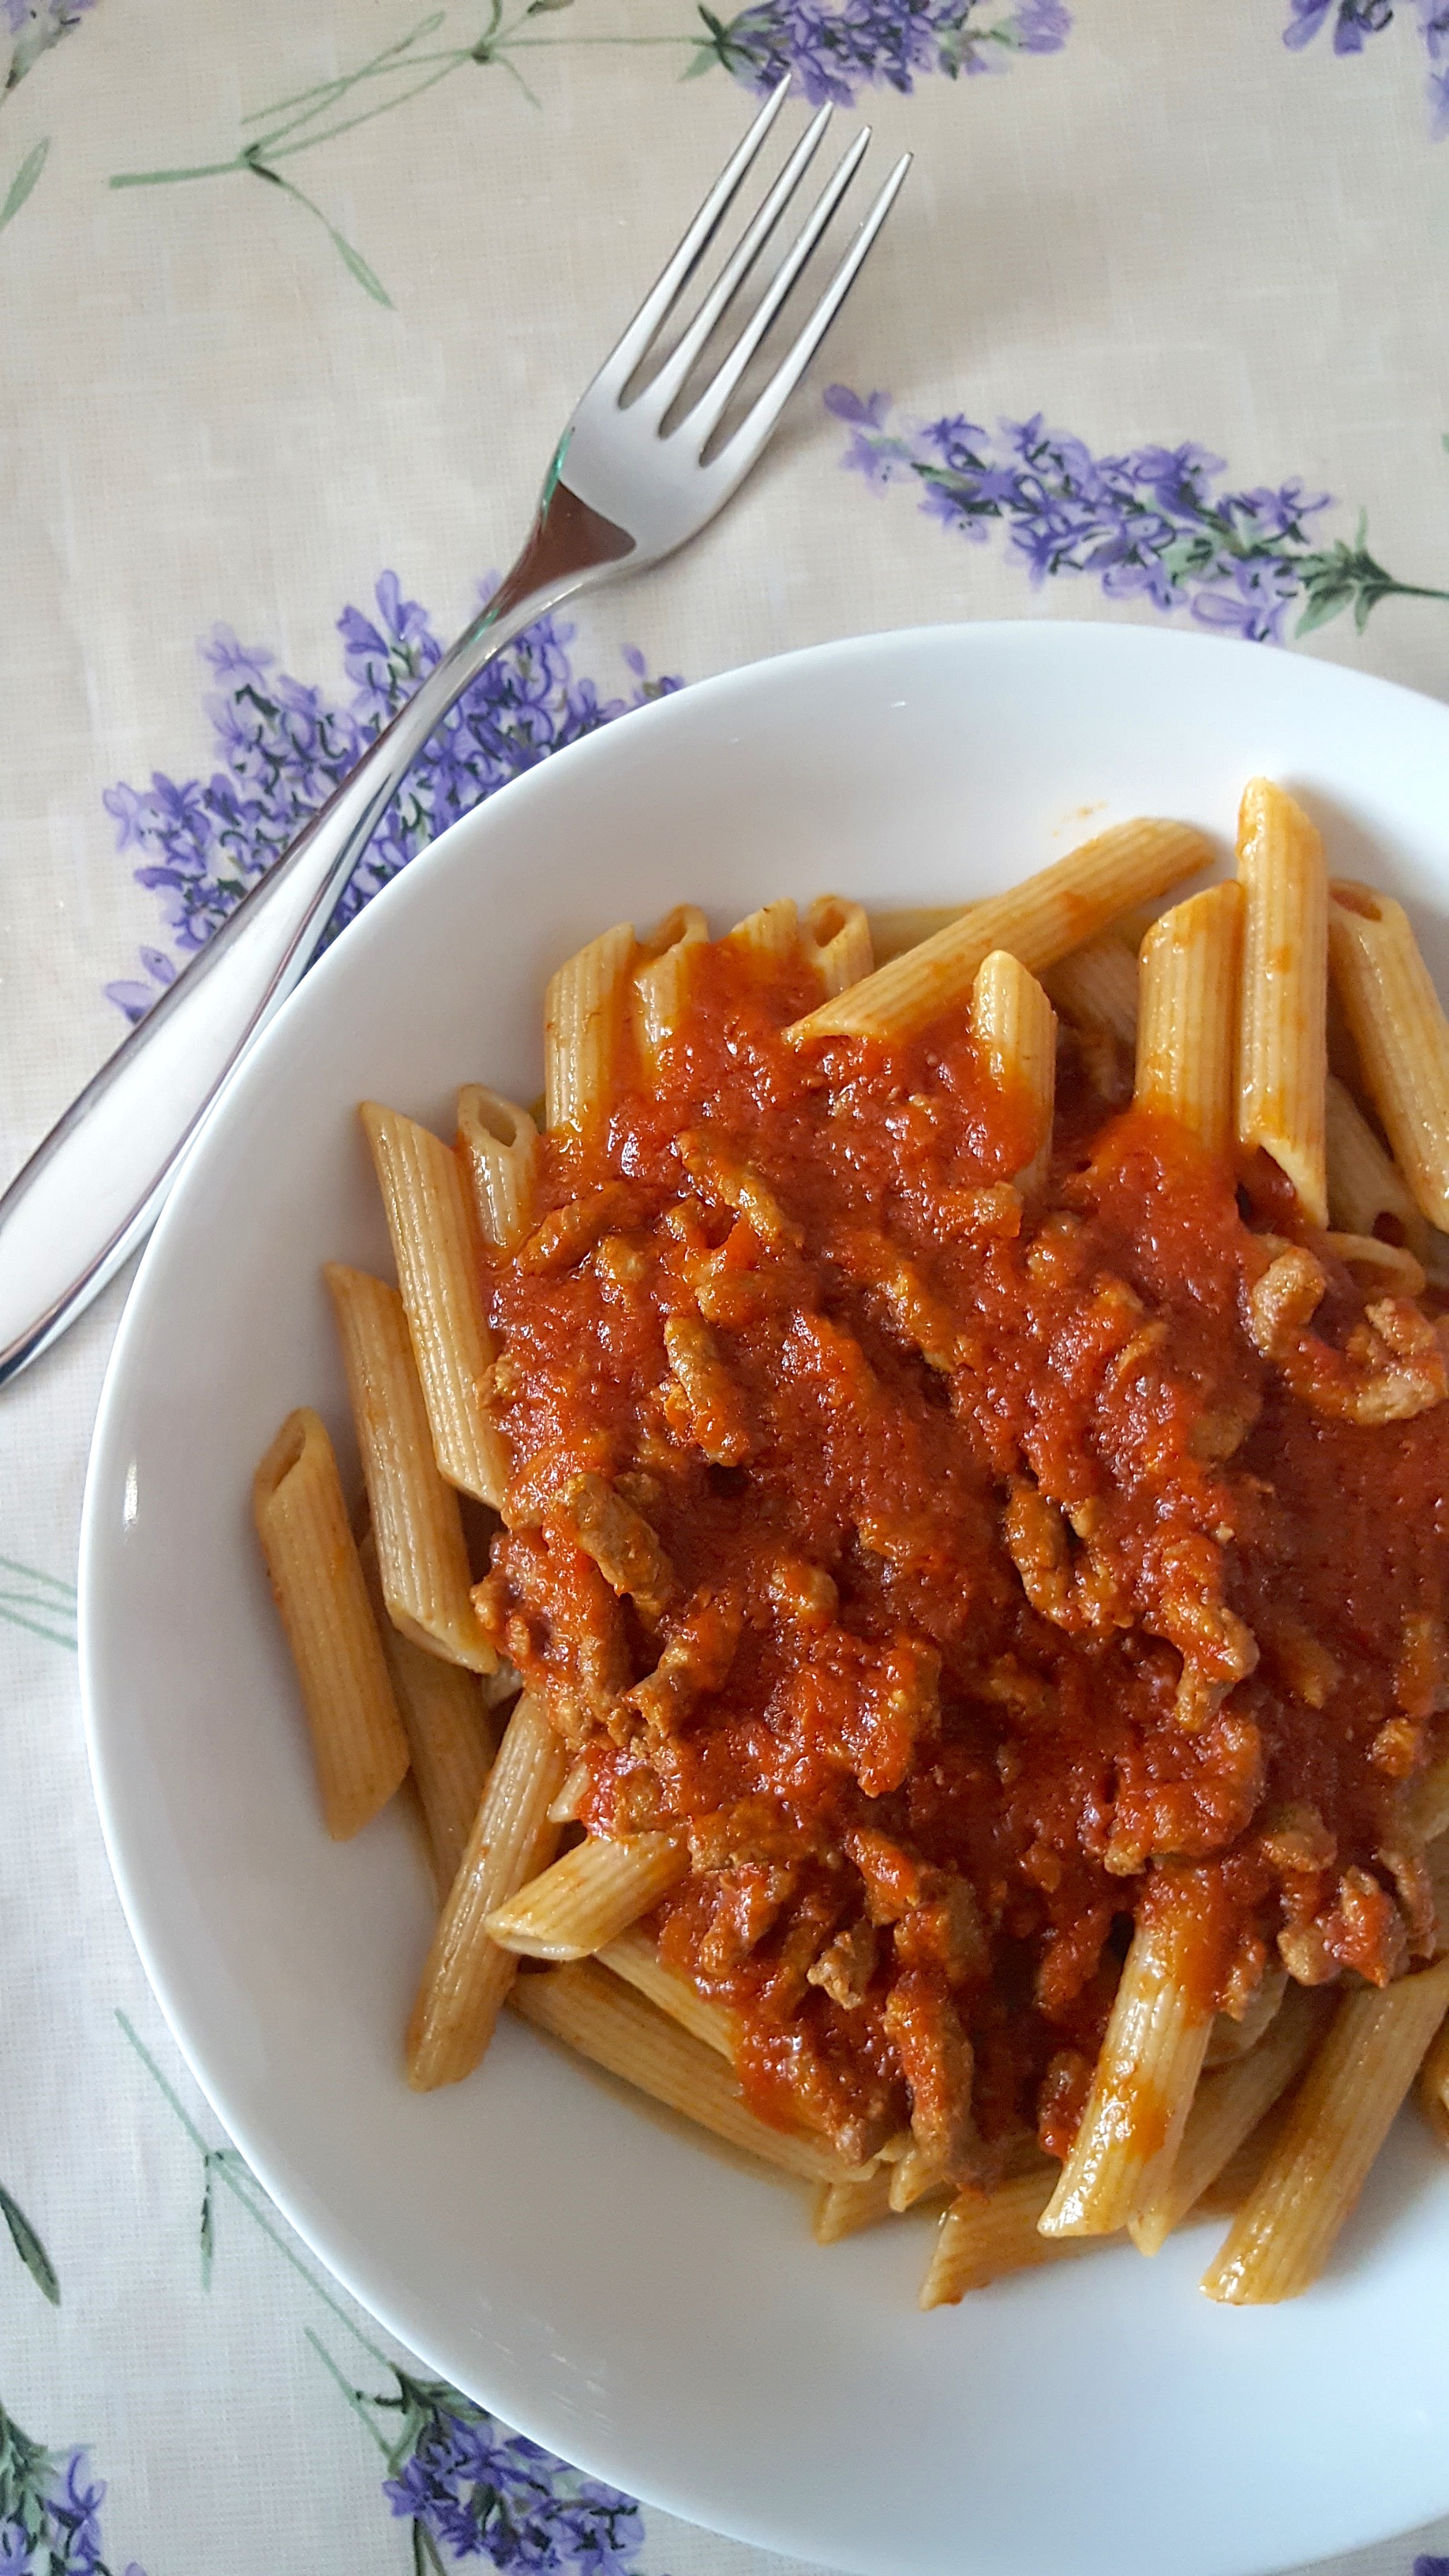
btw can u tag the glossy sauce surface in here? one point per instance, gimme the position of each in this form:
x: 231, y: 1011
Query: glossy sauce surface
x: 953, y: 1567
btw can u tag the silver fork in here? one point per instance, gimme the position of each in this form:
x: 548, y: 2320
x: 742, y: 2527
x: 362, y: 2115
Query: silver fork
x: 620, y: 493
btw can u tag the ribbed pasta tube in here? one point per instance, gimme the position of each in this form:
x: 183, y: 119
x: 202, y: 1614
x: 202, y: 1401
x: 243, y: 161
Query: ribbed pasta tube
x: 844, y: 2208
x: 467, y: 1976
x: 595, y: 1892
x: 416, y: 1521
x: 893, y: 932
x: 1038, y: 921
x: 1187, y: 1038
x: 1095, y: 987
x: 1339, y: 2119
x: 633, y: 1956
x: 1227, y: 2109
x: 615, y: 2028
x: 769, y: 936
x: 317, y: 1583
x: 435, y: 1245
x: 450, y: 1733
x: 835, y: 941
x: 661, y: 979
x: 1015, y: 1029
x: 988, y: 2234
x: 1147, y: 2068
x: 1365, y: 1185
x: 583, y: 1026
x: 1402, y: 1036
x: 499, y: 1143
x: 1434, y: 2087
x: 1282, y: 1039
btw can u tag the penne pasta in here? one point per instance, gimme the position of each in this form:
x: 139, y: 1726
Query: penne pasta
x: 583, y: 1028
x: 317, y: 1583
x: 1388, y: 1265
x: 499, y: 1144
x: 1398, y: 1026
x: 845, y: 2208
x: 451, y: 1737
x: 1341, y: 2115
x: 568, y: 1806
x: 892, y: 933
x: 1187, y: 1041
x: 1147, y: 2070
x: 835, y: 941
x: 466, y: 1975
x: 422, y: 1559
x: 661, y: 979
x: 1434, y: 2087
x: 1282, y: 1034
x: 914, y: 2177
x: 987, y: 2234
x: 859, y: 1493
x: 1367, y: 1192
x: 766, y: 937
x: 1095, y: 987
x: 590, y: 1896
x: 633, y: 1956
x: 1037, y: 921
x: 1232, y: 2039
x: 615, y: 2028
x: 1226, y: 2110
x: 435, y: 1245
x: 1015, y: 1029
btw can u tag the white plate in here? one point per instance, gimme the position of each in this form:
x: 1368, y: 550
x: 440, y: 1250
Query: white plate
x: 621, y: 2294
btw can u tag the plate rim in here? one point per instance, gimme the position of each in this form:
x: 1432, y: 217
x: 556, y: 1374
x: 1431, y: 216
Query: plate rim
x: 298, y: 2200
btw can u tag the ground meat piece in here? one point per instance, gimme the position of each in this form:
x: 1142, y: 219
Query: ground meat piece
x: 937, y: 2063
x: 626, y: 1550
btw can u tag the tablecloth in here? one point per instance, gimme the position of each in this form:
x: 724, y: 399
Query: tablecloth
x: 295, y: 299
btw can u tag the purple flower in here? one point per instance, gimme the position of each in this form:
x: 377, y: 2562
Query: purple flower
x: 1154, y: 523
x: 38, y: 24
x: 486, y: 2494
x: 282, y: 745
x: 1354, y: 20
x: 834, y: 52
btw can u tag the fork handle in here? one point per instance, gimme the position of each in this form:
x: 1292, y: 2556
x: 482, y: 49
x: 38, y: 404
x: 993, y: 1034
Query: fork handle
x: 93, y: 1189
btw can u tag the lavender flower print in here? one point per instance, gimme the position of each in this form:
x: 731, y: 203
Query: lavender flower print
x: 1154, y: 523
x: 49, y: 2510
x: 33, y: 27
x: 835, y: 52
x: 1355, y: 20
x: 282, y: 745
x: 464, y: 2484
x: 469, y: 2487
x: 833, y: 49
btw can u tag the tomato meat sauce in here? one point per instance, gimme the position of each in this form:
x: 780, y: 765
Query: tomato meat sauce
x: 957, y: 1566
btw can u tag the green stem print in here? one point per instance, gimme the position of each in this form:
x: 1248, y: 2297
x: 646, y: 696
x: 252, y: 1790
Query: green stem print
x: 33, y: 27
x: 828, y: 52
x: 39, y: 1603
x: 49, y: 2509
x: 26, y: 2240
x: 468, y: 2488
x: 392, y: 78
x: 23, y: 181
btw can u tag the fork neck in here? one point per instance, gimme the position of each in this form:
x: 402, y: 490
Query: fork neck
x: 566, y: 543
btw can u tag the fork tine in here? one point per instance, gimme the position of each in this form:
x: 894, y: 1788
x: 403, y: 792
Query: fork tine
x: 704, y: 418
x: 662, y: 391
x: 739, y: 452
x: 622, y: 360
